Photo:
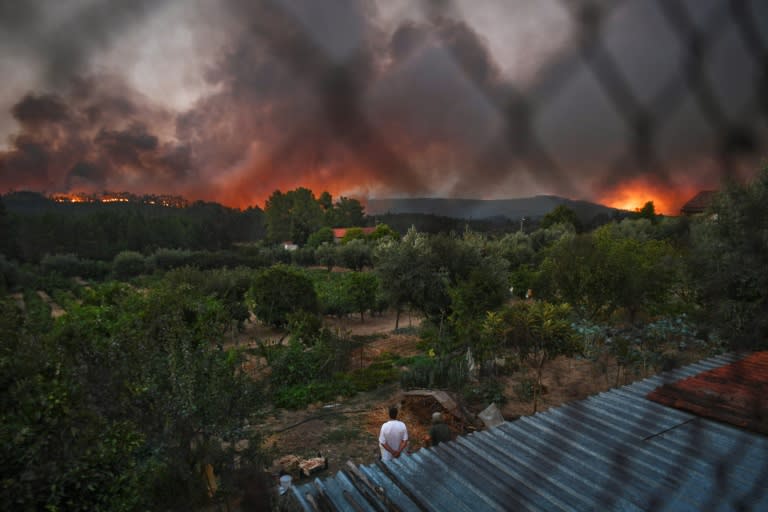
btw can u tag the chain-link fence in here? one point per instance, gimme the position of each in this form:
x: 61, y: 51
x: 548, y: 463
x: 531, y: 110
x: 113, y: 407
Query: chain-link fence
x: 732, y: 113
x: 695, y: 102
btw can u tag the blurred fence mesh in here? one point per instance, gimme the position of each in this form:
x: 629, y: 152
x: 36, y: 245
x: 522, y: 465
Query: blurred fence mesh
x: 644, y: 116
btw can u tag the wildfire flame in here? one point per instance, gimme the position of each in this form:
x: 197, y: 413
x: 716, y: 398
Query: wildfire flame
x: 120, y: 197
x: 633, y: 195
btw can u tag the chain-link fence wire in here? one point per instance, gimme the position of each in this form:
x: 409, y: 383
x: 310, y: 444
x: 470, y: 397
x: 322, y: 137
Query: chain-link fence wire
x: 647, y: 120
x: 643, y: 121
x: 644, y: 118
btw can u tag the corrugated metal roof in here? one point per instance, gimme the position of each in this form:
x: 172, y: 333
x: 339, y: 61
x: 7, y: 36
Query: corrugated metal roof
x: 613, y: 451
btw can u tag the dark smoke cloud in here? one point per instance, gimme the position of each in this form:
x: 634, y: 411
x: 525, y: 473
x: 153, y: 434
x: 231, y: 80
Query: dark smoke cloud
x: 36, y: 110
x: 324, y: 94
x: 75, y: 33
x: 295, y: 85
x: 94, y: 138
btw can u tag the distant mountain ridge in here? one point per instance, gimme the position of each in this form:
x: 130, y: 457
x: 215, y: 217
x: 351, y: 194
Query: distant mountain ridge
x: 530, y: 207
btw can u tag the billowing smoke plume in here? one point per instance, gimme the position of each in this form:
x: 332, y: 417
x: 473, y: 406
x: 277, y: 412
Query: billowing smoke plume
x: 395, y: 98
x: 97, y: 137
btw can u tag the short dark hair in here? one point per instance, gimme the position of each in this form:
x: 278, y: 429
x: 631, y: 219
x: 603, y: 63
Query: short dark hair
x: 393, y: 412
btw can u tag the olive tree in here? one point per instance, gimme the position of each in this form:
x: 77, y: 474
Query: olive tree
x: 278, y: 291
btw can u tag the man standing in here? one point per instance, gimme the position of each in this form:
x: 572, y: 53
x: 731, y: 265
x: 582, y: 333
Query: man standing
x: 393, y: 437
x: 440, y: 432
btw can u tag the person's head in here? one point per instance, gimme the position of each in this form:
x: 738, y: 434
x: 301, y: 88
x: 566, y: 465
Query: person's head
x: 437, y: 417
x: 393, y: 412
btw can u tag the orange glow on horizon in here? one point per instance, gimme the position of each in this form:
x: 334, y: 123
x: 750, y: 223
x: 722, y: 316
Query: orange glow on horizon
x: 632, y: 196
x: 246, y: 191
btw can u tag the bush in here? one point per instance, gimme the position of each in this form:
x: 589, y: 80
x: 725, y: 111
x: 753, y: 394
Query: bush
x: 301, y: 395
x: 301, y: 376
x: 430, y: 372
x: 67, y: 265
x: 278, y: 291
x: 327, y: 254
x: 304, y: 327
x: 331, y: 293
x: 70, y: 265
x: 524, y: 390
x: 9, y: 274
x: 373, y: 376
x: 128, y: 264
x: 355, y: 254
x: 489, y: 391
x: 166, y: 259
x: 322, y: 236
x: 304, y: 256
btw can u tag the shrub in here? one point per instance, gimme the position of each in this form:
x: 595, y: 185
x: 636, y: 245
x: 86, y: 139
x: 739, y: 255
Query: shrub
x: 373, y: 376
x: 304, y: 256
x: 128, y: 264
x: 331, y: 293
x: 9, y: 274
x: 67, y: 265
x: 304, y: 327
x: 166, y: 259
x: 486, y: 392
x: 327, y: 254
x: 524, y: 390
x: 278, y: 291
x: 428, y: 372
x: 355, y: 254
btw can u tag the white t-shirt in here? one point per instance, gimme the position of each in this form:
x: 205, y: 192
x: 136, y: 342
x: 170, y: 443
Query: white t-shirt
x: 393, y: 433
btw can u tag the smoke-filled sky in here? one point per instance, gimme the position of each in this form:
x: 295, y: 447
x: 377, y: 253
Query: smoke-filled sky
x: 229, y: 100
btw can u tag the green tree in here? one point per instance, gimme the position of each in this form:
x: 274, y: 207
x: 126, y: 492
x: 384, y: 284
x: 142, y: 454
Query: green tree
x: 128, y: 264
x: 306, y: 214
x: 361, y: 288
x: 8, y: 234
x: 383, y: 231
x: 561, y: 215
x: 729, y: 258
x: 355, y: 254
x: 122, y: 404
x: 292, y: 216
x: 327, y: 255
x: 321, y: 236
x: 599, y: 273
x: 538, y: 331
x: 278, y: 291
x: 402, y: 267
x: 484, y: 290
x: 516, y: 248
x: 326, y: 201
x: 9, y: 275
x: 648, y: 211
x: 304, y: 327
x: 346, y: 212
x: 353, y: 234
